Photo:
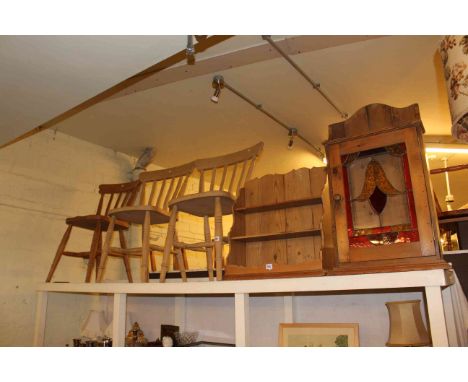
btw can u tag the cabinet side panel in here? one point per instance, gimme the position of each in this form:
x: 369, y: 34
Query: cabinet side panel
x: 430, y: 195
x: 338, y: 207
x: 420, y: 192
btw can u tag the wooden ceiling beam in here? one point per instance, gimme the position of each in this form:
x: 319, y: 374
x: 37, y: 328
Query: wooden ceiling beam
x: 121, y: 86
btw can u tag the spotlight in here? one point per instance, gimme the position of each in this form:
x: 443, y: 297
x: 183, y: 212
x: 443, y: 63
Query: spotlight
x: 215, y: 97
x: 292, y: 134
x: 190, y: 51
x: 217, y: 84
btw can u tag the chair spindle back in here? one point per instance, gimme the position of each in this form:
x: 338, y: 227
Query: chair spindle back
x: 228, y: 172
x: 159, y: 187
x: 116, y: 196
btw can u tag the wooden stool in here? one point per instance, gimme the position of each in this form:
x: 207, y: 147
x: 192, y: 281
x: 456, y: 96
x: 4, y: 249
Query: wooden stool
x: 122, y: 194
x: 233, y: 170
x: 158, y: 188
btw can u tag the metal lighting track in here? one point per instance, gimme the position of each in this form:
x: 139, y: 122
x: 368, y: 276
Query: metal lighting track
x: 314, y: 84
x: 218, y: 81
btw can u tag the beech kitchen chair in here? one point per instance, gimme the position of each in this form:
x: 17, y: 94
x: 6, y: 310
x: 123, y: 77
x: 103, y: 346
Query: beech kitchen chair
x: 158, y: 188
x: 226, y: 174
x: 112, y: 196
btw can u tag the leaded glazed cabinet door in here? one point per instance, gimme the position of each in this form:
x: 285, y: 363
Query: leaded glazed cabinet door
x: 379, y: 191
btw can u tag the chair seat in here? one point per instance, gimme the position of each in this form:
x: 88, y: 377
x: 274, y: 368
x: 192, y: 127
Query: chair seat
x: 136, y: 214
x: 90, y: 222
x: 202, y: 204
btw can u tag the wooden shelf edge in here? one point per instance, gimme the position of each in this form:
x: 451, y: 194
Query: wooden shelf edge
x: 390, y: 280
x: 280, y: 205
x: 277, y: 235
x: 457, y: 252
x: 306, y: 269
x: 362, y: 268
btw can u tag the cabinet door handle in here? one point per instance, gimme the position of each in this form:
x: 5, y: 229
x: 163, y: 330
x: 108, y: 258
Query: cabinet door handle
x: 337, y: 198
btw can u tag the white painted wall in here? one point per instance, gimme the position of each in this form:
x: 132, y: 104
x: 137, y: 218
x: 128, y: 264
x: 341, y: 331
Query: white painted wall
x: 45, y: 179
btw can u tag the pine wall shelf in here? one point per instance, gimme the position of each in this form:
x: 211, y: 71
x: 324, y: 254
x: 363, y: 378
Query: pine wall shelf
x: 277, y: 235
x: 277, y: 226
x: 279, y: 205
x: 430, y: 280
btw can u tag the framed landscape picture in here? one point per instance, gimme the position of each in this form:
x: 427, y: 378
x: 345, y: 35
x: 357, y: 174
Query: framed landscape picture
x: 319, y: 335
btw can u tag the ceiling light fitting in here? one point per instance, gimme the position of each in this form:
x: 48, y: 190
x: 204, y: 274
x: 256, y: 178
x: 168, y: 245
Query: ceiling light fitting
x: 292, y: 134
x: 449, y: 197
x: 219, y: 83
x: 190, y: 51
x: 314, y: 84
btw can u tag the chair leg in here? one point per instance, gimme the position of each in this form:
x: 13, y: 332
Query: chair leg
x: 175, y: 262
x: 218, y: 238
x: 98, y: 262
x: 184, y: 257
x: 168, y: 245
x: 98, y: 257
x: 181, y: 259
x: 152, y: 261
x: 106, y: 248
x: 151, y: 258
x: 125, y: 258
x: 58, y: 254
x: 145, y: 249
x: 209, y: 250
x: 92, y: 252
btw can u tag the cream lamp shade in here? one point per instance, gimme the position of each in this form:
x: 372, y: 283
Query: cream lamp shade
x: 94, y: 325
x: 454, y: 54
x: 406, y: 324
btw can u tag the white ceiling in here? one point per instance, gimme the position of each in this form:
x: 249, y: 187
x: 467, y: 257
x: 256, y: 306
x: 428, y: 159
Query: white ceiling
x: 43, y: 76
x: 180, y: 121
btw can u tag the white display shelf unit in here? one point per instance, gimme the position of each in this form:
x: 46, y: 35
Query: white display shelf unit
x: 432, y: 281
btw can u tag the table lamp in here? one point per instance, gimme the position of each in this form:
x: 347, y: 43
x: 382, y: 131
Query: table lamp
x: 406, y: 324
x: 454, y: 54
x: 94, y: 324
